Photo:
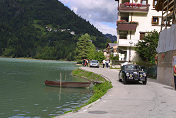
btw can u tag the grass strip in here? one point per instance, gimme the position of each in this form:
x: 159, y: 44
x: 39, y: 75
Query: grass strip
x: 99, y: 90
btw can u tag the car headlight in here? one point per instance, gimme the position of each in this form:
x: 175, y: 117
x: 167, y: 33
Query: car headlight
x: 127, y: 74
x: 144, y: 74
x: 141, y: 75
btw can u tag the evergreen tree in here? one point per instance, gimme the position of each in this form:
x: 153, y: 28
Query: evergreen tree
x: 85, y: 48
x: 91, y: 52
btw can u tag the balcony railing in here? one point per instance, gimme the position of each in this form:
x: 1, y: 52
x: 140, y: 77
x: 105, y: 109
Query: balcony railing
x: 126, y: 26
x: 127, y: 43
x: 133, y: 7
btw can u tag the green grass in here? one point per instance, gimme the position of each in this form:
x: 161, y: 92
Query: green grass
x: 88, y: 75
x: 98, y: 89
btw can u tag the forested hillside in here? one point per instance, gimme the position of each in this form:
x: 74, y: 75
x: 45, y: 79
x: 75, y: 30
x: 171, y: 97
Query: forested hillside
x: 43, y: 29
x: 111, y: 37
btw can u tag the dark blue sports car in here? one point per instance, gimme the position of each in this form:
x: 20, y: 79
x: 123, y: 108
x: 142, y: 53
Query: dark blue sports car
x: 132, y: 72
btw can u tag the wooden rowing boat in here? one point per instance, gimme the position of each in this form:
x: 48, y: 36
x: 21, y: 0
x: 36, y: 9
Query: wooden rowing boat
x: 67, y: 84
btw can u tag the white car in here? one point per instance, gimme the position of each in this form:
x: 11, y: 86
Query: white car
x: 94, y: 63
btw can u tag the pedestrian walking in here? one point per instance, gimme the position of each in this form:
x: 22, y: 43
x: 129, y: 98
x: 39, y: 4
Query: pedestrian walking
x: 87, y: 62
x: 174, y: 76
x: 104, y: 62
x: 83, y: 62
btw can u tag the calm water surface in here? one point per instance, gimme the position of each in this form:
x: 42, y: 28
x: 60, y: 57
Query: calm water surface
x: 24, y: 95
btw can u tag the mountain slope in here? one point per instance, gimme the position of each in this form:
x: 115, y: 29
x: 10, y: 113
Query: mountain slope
x: 23, y: 12
x: 113, y: 38
x: 41, y: 29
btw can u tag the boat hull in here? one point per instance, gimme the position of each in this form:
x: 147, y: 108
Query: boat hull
x: 67, y: 84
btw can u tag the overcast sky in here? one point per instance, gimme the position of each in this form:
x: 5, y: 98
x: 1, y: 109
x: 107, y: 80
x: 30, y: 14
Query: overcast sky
x: 101, y: 13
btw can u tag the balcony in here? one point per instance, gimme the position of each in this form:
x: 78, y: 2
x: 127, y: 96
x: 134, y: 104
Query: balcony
x: 126, y: 26
x: 127, y: 43
x: 133, y: 8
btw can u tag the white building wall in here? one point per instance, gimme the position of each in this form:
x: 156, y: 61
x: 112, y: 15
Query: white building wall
x: 145, y: 21
x: 144, y: 25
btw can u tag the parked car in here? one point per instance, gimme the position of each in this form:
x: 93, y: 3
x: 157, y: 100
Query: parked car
x: 131, y: 72
x: 94, y: 63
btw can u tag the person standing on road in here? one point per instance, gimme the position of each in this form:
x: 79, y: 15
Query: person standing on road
x: 175, y: 76
x: 104, y: 63
x: 87, y: 62
x: 107, y: 63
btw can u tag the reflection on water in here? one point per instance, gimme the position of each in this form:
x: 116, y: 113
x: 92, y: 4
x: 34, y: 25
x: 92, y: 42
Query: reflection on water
x: 23, y: 93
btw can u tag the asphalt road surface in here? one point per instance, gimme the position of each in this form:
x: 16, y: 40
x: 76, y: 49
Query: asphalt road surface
x: 153, y: 100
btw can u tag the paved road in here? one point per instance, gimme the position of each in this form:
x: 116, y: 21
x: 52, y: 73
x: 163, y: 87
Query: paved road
x: 130, y: 101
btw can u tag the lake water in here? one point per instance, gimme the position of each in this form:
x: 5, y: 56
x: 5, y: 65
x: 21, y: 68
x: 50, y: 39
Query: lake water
x: 24, y: 95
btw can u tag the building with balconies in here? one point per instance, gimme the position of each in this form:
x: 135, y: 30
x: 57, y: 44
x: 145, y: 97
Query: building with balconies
x: 135, y: 19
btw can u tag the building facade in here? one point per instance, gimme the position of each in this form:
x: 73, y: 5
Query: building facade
x: 135, y: 19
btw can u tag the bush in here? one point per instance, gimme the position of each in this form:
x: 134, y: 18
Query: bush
x: 79, y: 62
x: 147, y: 48
x: 9, y: 52
x: 114, y: 58
x: 149, y: 68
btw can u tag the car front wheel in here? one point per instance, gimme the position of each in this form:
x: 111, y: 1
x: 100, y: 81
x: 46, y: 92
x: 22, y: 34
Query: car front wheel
x: 144, y: 82
x: 120, y: 79
x: 124, y: 81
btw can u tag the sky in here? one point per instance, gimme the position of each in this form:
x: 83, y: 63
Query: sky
x: 101, y: 13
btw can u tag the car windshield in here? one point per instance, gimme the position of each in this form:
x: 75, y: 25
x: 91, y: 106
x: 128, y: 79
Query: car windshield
x: 131, y: 67
x: 94, y: 61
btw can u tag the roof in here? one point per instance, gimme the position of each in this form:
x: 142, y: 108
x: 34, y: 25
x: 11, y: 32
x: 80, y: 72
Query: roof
x: 111, y: 45
x: 120, y: 50
x: 159, y: 4
x: 104, y: 50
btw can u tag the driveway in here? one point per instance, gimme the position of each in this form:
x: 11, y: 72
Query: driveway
x: 153, y: 100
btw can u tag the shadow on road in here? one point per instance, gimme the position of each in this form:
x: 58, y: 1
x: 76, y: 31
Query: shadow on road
x: 131, y: 83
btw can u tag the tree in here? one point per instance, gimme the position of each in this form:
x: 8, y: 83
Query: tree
x: 85, y: 48
x: 99, y: 56
x: 147, y: 48
x: 91, y: 52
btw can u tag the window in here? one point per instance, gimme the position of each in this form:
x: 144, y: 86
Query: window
x: 154, y: 3
x: 131, y: 67
x: 125, y: 18
x: 142, y: 35
x: 123, y: 34
x: 123, y: 1
x: 155, y: 20
x: 144, y: 2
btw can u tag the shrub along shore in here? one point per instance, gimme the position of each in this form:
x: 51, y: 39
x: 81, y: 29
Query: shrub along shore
x: 98, y: 89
